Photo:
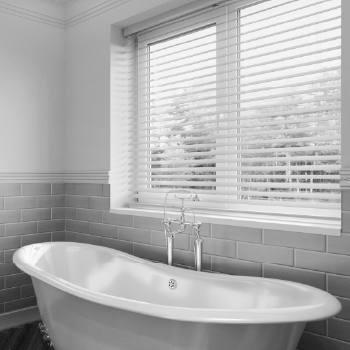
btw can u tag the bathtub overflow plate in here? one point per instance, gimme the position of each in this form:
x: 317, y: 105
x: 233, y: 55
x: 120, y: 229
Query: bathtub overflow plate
x: 172, y: 284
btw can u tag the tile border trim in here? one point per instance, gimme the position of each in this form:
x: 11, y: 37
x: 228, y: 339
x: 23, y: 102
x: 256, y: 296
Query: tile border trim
x: 65, y: 177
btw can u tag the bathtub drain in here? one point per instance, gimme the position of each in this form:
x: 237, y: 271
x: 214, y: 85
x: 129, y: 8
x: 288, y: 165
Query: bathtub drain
x: 172, y: 284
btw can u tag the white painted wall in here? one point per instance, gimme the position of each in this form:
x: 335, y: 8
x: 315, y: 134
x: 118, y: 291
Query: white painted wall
x: 87, y: 79
x: 31, y: 91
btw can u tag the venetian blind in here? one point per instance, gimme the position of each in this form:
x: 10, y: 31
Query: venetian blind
x: 240, y: 103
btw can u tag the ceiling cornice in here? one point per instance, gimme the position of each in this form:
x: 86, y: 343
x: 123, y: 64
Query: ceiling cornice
x: 60, y: 1
x: 22, y: 12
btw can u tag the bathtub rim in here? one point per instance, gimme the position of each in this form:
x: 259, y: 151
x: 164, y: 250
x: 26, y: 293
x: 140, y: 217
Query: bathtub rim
x: 319, y: 312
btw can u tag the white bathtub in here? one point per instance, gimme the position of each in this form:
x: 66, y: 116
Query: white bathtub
x: 96, y: 298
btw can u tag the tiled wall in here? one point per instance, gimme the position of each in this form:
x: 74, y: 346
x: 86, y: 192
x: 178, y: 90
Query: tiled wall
x: 317, y: 260
x: 29, y: 213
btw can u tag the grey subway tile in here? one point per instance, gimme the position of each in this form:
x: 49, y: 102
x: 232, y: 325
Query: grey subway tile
x: 339, y: 245
x: 2, y: 308
x: 218, y: 247
x: 70, y: 188
x: 89, y: 215
x: 51, y: 225
x: 117, y: 219
x: 10, y: 294
x: 345, y: 222
x: 150, y: 252
x: 158, y: 238
x: 339, y: 329
x: 16, y: 280
x: 70, y: 213
x: 2, y: 256
x: 77, y: 226
x: 345, y: 200
x: 311, y: 341
x: 325, y: 262
x: 89, y: 239
x: 36, y: 238
x: 345, y: 312
x: 124, y: 246
x: 106, y: 190
x: 9, y: 242
x: 89, y: 189
x: 265, y: 254
x: 101, y: 203
x: 20, y: 304
x: 57, y: 188
x: 59, y: 236
x: 58, y: 213
x: 311, y: 278
x: 9, y: 189
x: 2, y: 230
x: 319, y: 327
x: 77, y: 201
x: 9, y: 255
x: 339, y: 285
x: 8, y: 269
x: 22, y: 228
x: 2, y: 283
x: 70, y: 236
x: 234, y: 233
x: 295, y: 240
x: 149, y: 223
x: 35, y: 214
x: 110, y: 231
x: 9, y: 216
x: 50, y: 201
x: 1, y: 203
x: 20, y: 203
x: 235, y: 267
x: 134, y: 235
x: 36, y: 189
x: 27, y: 291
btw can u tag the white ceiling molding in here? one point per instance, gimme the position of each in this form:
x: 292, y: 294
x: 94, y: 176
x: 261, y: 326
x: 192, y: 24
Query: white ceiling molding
x: 31, y: 15
x: 94, y: 11
x: 59, y: 1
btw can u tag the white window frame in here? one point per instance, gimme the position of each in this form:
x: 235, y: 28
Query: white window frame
x: 243, y: 216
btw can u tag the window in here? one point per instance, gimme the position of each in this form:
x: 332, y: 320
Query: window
x: 240, y: 102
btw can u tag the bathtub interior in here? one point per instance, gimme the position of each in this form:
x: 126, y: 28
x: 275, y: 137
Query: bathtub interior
x: 118, y: 274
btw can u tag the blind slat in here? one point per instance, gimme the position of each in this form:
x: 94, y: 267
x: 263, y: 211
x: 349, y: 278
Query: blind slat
x: 253, y: 120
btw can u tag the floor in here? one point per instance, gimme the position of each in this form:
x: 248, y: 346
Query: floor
x: 26, y: 337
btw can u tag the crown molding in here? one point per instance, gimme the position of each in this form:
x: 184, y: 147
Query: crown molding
x: 65, y: 177
x: 61, y: 23
x: 31, y: 15
x: 95, y: 11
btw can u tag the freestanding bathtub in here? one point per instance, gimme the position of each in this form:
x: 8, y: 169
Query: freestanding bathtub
x: 96, y: 298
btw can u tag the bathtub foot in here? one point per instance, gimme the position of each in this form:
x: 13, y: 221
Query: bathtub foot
x: 45, y: 336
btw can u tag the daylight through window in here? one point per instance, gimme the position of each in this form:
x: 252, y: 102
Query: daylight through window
x: 241, y: 104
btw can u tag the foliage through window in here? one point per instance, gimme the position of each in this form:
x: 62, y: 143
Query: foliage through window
x: 241, y: 104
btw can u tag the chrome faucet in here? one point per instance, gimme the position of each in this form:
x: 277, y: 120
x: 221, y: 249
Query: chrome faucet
x: 182, y: 223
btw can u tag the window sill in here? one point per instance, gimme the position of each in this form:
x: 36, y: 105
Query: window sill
x: 328, y: 227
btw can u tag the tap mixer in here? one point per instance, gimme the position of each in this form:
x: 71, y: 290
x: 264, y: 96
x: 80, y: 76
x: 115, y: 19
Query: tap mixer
x: 182, y: 223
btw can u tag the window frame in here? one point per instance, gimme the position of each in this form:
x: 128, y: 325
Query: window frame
x: 244, y: 215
